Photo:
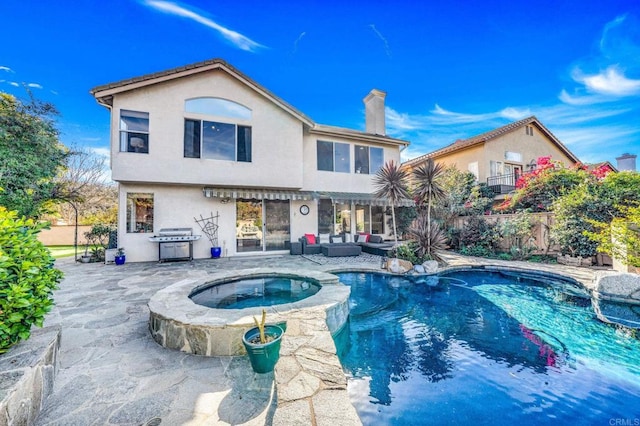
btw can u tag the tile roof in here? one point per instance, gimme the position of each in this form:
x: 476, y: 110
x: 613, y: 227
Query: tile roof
x: 461, y: 144
x: 104, y: 95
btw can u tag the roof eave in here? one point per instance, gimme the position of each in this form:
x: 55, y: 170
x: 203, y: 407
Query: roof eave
x: 328, y: 131
x: 104, y: 94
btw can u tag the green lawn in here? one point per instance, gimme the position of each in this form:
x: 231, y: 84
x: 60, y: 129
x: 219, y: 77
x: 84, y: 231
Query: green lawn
x: 64, y: 251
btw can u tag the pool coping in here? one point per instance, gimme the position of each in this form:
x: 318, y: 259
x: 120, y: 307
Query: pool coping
x: 176, y: 322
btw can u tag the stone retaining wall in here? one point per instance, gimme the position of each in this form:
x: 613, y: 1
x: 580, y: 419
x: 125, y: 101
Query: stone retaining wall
x: 27, y: 373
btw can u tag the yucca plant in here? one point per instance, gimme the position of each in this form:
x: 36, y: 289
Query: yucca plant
x: 428, y: 189
x: 430, y: 238
x: 390, y: 183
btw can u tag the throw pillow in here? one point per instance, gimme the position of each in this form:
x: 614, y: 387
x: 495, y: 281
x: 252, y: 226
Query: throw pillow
x: 336, y: 239
x: 311, y: 239
x: 324, y: 239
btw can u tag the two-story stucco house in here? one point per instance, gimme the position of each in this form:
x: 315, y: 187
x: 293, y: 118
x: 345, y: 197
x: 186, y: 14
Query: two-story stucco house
x: 205, y: 140
x: 500, y: 156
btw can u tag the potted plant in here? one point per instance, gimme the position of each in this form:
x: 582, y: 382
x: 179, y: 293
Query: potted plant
x: 262, y: 343
x: 209, y: 227
x: 120, y: 257
x: 86, y: 257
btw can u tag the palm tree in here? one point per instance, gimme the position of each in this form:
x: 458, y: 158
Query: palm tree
x: 429, y: 189
x: 391, y: 183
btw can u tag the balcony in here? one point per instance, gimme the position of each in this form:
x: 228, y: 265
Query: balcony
x: 503, y: 184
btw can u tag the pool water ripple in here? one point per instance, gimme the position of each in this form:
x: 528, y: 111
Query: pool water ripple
x: 496, y: 349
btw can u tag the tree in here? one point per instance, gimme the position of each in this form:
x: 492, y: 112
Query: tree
x: 85, y: 186
x: 427, y: 190
x: 537, y: 190
x: 620, y: 238
x: 390, y: 182
x: 592, y: 201
x: 31, y: 153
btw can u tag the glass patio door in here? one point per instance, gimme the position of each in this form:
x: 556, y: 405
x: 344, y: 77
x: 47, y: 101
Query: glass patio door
x: 249, y: 226
x: 277, y: 225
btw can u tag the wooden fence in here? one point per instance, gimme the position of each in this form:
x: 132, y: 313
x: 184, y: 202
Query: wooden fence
x: 540, y: 238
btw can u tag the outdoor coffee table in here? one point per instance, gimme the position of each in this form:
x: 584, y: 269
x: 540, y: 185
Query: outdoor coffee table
x: 341, y: 249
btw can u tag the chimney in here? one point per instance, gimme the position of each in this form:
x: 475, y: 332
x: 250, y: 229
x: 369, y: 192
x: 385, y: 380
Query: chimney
x: 627, y: 162
x: 374, y: 112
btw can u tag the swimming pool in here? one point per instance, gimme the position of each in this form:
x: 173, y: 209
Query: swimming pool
x: 478, y: 347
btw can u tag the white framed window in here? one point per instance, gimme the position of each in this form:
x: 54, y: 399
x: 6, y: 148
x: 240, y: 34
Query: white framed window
x: 217, y: 141
x: 513, y: 156
x: 139, y: 212
x: 333, y: 156
x: 134, y: 131
x: 473, y: 168
x: 367, y: 159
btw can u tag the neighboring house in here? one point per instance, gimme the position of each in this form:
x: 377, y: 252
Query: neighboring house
x: 500, y: 156
x: 205, y: 139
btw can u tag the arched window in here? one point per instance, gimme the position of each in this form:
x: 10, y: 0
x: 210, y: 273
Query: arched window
x: 217, y: 106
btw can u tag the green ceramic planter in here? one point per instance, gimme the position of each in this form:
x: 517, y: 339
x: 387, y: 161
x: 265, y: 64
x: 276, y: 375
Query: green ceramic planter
x: 263, y: 357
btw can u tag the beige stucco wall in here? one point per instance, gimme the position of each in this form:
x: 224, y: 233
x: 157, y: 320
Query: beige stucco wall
x: 283, y: 157
x: 463, y: 158
x: 276, y: 137
x: 531, y: 147
x: 318, y: 180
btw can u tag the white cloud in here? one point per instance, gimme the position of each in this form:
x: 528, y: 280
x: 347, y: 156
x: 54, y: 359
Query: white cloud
x: 611, y: 81
x: 13, y: 83
x: 34, y: 85
x: 7, y: 69
x: 295, y: 44
x: 387, y: 50
x: 240, y: 41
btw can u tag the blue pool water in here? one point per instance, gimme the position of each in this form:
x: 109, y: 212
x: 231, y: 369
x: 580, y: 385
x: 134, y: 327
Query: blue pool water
x: 479, y: 347
x: 254, y: 292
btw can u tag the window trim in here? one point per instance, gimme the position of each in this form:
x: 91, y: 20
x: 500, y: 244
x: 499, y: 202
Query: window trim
x: 333, y: 156
x: 126, y: 135
x: 200, y: 152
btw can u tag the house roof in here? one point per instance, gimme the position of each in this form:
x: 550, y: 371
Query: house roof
x: 491, y: 135
x: 104, y: 95
x: 591, y: 167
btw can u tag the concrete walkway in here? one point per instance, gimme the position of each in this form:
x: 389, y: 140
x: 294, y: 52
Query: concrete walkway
x: 113, y: 373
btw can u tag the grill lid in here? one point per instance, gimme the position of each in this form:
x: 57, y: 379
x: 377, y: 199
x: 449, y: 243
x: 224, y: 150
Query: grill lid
x: 175, y: 232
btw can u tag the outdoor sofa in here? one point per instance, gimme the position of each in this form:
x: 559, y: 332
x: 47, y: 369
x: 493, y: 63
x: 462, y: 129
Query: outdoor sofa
x: 311, y: 244
x: 373, y: 244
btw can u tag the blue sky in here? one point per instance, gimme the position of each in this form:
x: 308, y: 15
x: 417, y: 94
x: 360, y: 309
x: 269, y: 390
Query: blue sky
x: 450, y: 69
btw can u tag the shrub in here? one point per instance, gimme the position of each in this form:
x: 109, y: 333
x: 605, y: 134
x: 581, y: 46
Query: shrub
x: 98, y: 239
x: 407, y: 252
x: 27, y: 278
x: 519, y: 233
x: 479, y: 237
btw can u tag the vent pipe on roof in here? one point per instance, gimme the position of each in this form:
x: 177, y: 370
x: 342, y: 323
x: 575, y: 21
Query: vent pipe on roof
x: 627, y: 162
x: 374, y: 112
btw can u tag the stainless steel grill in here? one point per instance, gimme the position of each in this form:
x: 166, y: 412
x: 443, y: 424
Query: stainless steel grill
x: 175, y: 243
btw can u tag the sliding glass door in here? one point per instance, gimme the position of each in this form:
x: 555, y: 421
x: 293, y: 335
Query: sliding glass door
x: 262, y: 225
x: 277, y: 225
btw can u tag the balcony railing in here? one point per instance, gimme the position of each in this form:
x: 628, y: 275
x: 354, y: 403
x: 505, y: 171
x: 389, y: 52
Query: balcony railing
x: 503, y: 184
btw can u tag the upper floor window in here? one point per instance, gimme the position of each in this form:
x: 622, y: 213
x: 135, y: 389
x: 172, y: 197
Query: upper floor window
x: 333, y: 156
x: 368, y: 160
x: 529, y: 130
x: 217, y: 141
x: 139, y: 212
x: 134, y: 131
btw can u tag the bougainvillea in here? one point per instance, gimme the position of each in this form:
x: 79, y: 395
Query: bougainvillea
x: 538, y: 189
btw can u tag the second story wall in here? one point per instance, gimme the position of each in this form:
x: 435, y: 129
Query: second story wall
x: 276, y: 137
x: 345, y: 168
